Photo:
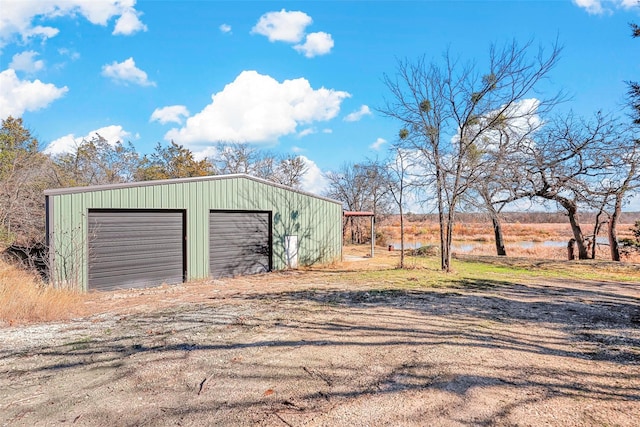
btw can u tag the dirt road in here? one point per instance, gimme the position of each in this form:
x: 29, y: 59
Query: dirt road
x: 324, y: 349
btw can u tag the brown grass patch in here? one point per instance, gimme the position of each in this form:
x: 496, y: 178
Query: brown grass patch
x: 25, y: 298
x: 427, y: 231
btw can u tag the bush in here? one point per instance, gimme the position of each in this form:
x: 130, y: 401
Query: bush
x: 427, y: 250
x: 381, y: 238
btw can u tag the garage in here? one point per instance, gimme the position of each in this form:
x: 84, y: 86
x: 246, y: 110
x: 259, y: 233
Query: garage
x: 239, y: 243
x: 135, y: 248
x: 139, y: 234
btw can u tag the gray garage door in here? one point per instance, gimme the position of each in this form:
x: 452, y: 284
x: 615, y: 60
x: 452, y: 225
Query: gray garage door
x: 133, y: 249
x: 239, y: 243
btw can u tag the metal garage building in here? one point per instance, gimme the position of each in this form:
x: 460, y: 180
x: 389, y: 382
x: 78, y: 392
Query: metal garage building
x: 147, y: 233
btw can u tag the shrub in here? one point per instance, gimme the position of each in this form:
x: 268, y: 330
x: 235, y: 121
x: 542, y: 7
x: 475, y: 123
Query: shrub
x: 426, y: 250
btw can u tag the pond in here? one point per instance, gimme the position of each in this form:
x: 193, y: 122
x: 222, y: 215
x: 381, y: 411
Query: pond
x: 470, y: 246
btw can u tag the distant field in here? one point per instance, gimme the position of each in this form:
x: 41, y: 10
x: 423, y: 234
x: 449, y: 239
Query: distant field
x: 475, y: 237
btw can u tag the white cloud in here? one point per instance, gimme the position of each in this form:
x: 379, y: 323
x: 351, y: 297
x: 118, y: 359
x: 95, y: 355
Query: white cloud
x: 633, y: 203
x: 591, y: 6
x: 68, y: 143
x: 290, y: 27
x: 173, y: 113
x: 26, y: 62
x: 18, y: 96
x: 319, y: 43
x: 129, y: 23
x: 598, y: 7
x: 357, y: 115
x: 283, y: 26
x: 378, y: 144
x: 126, y: 72
x: 314, y: 180
x: 18, y: 18
x: 258, y: 108
x: 72, y: 54
x: 327, y: 130
x: 296, y: 149
x: 225, y: 28
x: 305, y: 132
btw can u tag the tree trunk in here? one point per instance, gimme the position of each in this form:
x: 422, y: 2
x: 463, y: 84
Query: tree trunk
x: 572, y: 212
x: 577, y: 234
x: 613, y: 222
x: 571, y: 250
x: 497, y: 232
x: 444, y: 249
x: 497, y: 224
x: 596, y: 230
x: 449, y: 237
x: 401, y: 237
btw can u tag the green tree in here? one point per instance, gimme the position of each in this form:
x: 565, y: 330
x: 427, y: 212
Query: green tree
x: 17, y: 146
x: 172, y: 161
x: 23, y: 178
x: 95, y: 162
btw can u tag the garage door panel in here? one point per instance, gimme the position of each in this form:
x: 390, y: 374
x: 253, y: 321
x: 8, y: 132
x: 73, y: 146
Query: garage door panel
x: 124, y: 235
x: 257, y: 256
x: 238, y: 237
x: 150, y: 278
x: 135, y: 248
x: 226, y: 258
x: 139, y: 264
x: 239, y: 243
x: 129, y: 249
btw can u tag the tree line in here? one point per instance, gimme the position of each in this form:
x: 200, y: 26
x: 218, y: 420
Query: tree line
x: 481, y: 138
x: 26, y: 171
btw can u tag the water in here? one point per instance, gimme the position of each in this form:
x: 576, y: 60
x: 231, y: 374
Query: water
x: 465, y: 247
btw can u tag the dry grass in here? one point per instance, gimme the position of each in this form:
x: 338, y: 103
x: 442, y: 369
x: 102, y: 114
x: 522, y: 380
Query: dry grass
x: 24, y: 298
x: 427, y: 231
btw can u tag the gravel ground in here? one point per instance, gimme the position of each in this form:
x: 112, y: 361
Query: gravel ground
x: 324, y: 349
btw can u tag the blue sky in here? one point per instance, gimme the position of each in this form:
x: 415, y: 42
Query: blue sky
x: 292, y: 77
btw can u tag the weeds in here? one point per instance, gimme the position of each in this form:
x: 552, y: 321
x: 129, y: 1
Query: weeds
x: 24, y: 298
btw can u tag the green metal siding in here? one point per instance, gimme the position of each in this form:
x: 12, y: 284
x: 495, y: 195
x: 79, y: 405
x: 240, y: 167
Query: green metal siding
x: 316, y: 221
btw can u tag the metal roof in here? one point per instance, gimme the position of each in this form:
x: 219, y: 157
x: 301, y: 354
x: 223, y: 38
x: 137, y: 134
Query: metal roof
x: 358, y: 213
x: 72, y: 190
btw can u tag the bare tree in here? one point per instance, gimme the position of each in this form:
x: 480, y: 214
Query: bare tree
x: 498, y: 164
x: 96, y: 161
x: 619, y: 177
x: 569, y: 157
x: 360, y: 187
x: 398, y: 180
x: 634, y: 87
x: 447, y: 109
x: 289, y: 171
x: 233, y: 158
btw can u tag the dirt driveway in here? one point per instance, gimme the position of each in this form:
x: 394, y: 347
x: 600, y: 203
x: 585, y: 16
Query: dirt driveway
x: 324, y: 348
